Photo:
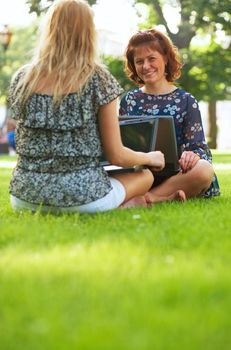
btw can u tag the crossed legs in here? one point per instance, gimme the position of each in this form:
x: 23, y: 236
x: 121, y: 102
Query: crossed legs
x: 178, y: 187
x: 183, y: 185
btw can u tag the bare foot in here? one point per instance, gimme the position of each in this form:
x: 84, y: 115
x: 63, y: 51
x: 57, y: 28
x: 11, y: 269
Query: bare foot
x: 138, y: 201
x: 176, y: 196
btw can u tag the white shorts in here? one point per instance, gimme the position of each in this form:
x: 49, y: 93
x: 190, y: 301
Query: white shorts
x: 111, y: 201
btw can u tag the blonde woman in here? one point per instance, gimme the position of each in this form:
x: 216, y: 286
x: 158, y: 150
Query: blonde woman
x: 65, y: 106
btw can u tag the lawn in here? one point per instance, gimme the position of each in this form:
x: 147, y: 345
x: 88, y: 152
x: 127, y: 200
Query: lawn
x: 135, y: 279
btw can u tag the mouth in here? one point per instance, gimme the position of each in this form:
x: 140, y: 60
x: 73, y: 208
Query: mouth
x: 150, y: 74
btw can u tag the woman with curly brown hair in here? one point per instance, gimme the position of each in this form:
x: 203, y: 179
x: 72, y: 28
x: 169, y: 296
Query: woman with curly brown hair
x: 153, y: 63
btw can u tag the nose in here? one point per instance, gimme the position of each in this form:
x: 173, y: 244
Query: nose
x: 146, y: 64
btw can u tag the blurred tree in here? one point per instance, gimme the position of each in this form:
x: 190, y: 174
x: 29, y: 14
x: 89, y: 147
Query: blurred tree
x: 207, y: 76
x: 206, y: 72
x: 38, y: 6
x: 150, y: 15
x: 115, y: 66
x: 205, y: 14
x: 17, y: 54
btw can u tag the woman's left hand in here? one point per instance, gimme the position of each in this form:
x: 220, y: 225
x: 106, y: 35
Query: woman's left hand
x: 188, y: 160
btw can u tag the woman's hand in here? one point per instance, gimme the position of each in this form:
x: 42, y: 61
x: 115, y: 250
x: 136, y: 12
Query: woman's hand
x: 188, y: 160
x: 157, y: 161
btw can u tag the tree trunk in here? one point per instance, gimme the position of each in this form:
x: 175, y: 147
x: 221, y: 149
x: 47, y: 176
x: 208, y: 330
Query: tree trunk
x: 212, y: 134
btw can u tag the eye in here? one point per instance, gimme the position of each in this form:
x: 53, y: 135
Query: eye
x: 139, y: 62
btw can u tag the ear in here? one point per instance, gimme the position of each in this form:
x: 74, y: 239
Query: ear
x: 165, y: 60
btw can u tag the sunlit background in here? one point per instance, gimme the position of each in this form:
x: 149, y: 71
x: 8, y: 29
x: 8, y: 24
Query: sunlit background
x: 115, y: 21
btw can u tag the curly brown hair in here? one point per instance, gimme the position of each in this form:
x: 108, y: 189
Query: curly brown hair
x: 159, y: 42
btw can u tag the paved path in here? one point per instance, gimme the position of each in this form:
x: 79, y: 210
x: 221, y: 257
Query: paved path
x: 7, y: 164
x: 217, y: 166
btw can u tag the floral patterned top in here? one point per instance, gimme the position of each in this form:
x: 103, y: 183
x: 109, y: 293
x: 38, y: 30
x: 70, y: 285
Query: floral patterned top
x: 59, y: 148
x: 187, y: 118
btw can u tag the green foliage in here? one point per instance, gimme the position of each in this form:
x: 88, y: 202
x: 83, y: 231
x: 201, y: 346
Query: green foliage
x: 116, y: 67
x: 38, y: 6
x: 129, y: 279
x: 211, y: 12
x: 17, y: 54
x: 151, y: 19
x: 207, y: 72
x: 197, y: 13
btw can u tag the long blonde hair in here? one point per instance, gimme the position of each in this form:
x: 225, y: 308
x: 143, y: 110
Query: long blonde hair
x: 67, y: 44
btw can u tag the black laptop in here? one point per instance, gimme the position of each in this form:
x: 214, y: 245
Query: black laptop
x: 146, y: 134
x: 166, y: 143
x: 137, y: 133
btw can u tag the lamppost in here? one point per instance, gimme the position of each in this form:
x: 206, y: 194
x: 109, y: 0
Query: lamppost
x: 5, y: 37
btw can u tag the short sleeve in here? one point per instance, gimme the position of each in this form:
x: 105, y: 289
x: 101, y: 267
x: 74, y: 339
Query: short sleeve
x: 123, y: 106
x: 193, y: 133
x: 12, y: 94
x: 193, y: 129
x: 106, y: 86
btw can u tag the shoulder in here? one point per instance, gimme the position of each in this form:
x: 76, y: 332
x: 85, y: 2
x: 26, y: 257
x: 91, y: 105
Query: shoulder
x: 103, y: 79
x: 132, y: 94
x: 21, y: 72
x: 188, y: 97
x: 185, y: 94
x: 16, y: 83
x: 103, y: 86
x: 102, y: 73
x: 18, y: 79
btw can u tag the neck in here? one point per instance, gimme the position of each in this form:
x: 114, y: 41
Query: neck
x: 158, y: 89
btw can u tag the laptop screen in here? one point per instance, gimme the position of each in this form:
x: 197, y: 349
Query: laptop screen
x: 137, y: 134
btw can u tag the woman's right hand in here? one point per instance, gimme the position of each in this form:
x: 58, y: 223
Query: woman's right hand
x: 157, y: 162
x: 116, y: 153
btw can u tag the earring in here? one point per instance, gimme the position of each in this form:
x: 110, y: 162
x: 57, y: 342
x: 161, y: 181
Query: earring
x: 165, y: 73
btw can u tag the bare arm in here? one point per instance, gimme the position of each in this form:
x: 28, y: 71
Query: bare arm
x: 114, y: 150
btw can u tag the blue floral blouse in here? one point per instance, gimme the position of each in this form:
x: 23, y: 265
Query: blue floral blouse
x: 59, y: 149
x: 185, y: 111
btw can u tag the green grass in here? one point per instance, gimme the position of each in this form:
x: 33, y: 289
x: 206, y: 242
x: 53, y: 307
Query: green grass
x: 5, y: 157
x: 224, y: 157
x: 129, y: 279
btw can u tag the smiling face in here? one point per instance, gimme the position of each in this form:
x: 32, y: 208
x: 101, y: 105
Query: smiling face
x: 149, y: 65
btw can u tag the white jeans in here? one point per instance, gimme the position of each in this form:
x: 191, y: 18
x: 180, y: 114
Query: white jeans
x: 111, y: 201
